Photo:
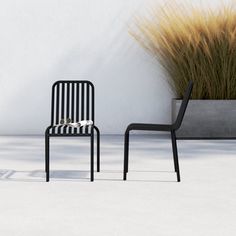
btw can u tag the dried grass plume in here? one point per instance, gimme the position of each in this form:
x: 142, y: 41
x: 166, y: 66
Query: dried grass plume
x: 193, y: 44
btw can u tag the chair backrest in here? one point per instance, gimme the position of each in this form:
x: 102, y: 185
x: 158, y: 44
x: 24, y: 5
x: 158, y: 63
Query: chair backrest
x: 183, y: 106
x: 72, y: 99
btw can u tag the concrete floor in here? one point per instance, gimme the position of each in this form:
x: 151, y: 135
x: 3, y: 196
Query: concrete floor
x: 150, y: 203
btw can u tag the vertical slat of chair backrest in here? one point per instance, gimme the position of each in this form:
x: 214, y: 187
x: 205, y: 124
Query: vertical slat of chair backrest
x: 87, y: 105
x: 72, y: 105
x: 60, y: 112
x: 77, y: 103
x: 67, y: 103
x: 92, y: 103
x: 57, y: 121
x: 82, y: 105
x: 62, y: 105
x: 73, y: 100
x: 53, y: 107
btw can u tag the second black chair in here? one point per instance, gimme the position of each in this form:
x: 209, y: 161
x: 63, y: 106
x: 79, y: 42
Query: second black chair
x: 160, y: 127
x: 72, y: 101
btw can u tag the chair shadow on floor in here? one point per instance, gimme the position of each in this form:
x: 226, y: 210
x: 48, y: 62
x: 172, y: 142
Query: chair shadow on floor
x: 75, y: 176
x: 39, y: 175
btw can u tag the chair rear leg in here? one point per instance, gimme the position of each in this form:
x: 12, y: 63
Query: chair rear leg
x: 98, y: 149
x: 92, y: 158
x: 47, y: 157
x: 126, y: 155
x: 173, y: 146
x: 175, y: 155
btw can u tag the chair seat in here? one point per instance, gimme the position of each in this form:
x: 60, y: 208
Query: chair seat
x: 149, y: 127
x: 65, y: 130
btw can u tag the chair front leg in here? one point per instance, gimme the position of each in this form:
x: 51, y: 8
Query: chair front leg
x: 98, y: 148
x: 47, y: 142
x: 92, y: 157
x: 126, y: 155
x: 175, y: 155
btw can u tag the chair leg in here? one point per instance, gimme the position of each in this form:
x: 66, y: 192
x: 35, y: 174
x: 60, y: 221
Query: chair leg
x: 126, y: 155
x: 45, y: 162
x: 173, y: 146
x: 92, y: 158
x: 47, y: 157
x: 98, y: 149
x: 175, y: 155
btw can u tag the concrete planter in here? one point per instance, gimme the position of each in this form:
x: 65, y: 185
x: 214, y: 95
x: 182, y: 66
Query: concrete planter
x: 210, y: 119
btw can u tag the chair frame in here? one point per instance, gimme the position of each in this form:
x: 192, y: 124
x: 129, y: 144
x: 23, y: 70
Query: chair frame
x: 71, y: 134
x: 160, y: 127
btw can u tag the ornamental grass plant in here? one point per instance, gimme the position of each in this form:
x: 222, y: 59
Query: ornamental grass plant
x: 193, y: 44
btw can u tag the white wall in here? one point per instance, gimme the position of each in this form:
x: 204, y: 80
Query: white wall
x: 43, y: 41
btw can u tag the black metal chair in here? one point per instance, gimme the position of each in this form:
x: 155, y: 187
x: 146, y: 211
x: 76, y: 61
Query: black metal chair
x: 72, y: 101
x: 160, y: 127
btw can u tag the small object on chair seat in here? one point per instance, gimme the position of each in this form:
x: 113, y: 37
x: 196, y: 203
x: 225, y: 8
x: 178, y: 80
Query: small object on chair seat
x: 68, y: 120
x: 80, y: 123
x: 65, y: 122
